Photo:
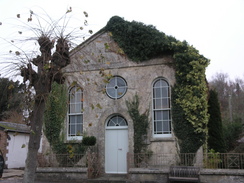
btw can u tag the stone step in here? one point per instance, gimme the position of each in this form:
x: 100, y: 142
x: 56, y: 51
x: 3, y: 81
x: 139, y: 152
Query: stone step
x: 110, y: 179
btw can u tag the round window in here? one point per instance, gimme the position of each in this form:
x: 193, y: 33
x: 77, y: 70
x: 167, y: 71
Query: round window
x: 116, y: 87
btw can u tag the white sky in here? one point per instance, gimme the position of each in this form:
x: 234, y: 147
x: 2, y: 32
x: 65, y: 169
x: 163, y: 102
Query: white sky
x: 214, y: 27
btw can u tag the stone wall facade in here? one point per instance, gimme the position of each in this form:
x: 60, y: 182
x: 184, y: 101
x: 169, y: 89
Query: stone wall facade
x: 91, y: 64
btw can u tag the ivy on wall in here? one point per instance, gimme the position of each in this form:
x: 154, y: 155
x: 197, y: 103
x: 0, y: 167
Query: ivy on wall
x: 138, y: 41
x: 140, y: 124
x: 54, y: 118
x: 189, y: 95
x: 189, y: 98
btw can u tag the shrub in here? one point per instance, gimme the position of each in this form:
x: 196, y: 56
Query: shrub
x: 89, y: 141
x: 215, y: 127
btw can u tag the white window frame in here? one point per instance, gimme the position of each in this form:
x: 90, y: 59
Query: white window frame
x: 77, y: 107
x: 164, y: 134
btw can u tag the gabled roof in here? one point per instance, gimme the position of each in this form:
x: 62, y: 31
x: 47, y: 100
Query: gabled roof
x: 14, y: 127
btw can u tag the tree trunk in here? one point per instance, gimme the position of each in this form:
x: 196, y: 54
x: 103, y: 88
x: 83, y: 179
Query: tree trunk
x: 34, y: 141
x: 42, y: 81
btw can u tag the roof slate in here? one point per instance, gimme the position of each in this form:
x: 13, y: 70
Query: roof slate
x: 14, y: 127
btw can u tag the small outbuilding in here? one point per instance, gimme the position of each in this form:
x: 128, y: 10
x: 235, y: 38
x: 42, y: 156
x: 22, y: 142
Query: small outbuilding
x: 14, y: 138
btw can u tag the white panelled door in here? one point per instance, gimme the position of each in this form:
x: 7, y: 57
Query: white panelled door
x: 116, y: 146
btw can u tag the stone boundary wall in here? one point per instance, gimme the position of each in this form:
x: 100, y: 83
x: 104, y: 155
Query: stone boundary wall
x: 222, y: 175
x: 60, y: 173
x: 206, y: 175
x: 142, y: 175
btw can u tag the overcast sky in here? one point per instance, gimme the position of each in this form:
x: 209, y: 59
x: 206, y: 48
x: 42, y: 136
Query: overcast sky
x: 214, y: 27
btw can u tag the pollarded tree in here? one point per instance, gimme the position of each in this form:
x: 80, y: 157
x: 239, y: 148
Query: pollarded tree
x: 215, y: 129
x: 40, y: 72
x: 48, y: 70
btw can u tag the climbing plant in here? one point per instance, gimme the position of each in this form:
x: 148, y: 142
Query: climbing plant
x: 142, y: 42
x: 139, y: 42
x: 189, y: 99
x: 140, y: 124
x: 54, y: 118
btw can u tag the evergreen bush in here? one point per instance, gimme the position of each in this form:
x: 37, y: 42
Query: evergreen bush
x: 89, y: 141
x: 215, y: 127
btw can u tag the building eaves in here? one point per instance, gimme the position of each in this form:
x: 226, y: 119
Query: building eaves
x: 14, y: 127
x: 87, y: 41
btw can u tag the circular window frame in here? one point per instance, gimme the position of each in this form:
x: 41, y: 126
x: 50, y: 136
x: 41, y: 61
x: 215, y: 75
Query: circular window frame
x: 113, y: 87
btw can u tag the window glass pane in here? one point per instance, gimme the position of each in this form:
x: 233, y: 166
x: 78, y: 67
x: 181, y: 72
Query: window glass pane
x: 71, y: 108
x: 111, y: 83
x: 123, y: 123
x: 120, y: 82
x: 72, y: 97
x: 72, y: 120
x: 157, y: 93
x: 79, y: 130
x: 111, y: 92
x: 78, y: 97
x: 164, y: 83
x: 72, y: 130
x: 157, y: 84
x: 166, y: 126
x: 165, y: 103
x: 157, y: 104
x: 164, y: 92
x: 112, y: 121
x: 79, y: 119
x: 78, y: 108
x: 158, y: 115
x: 159, y: 127
x: 166, y: 115
x: 120, y: 91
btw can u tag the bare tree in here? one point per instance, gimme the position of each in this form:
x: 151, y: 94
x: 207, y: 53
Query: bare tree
x: 39, y: 72
x: 231, y: 95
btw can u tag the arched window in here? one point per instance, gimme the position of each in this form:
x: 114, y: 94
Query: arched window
x: 75, y: 113
x: 161, y: 109
x: 117, y: 121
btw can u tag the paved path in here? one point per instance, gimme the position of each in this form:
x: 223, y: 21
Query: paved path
x: 7, y: 173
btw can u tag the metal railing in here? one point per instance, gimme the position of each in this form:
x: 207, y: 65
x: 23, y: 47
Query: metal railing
x: 209, y: 160
x: 150, y: 160
x: 224, y: 160
x: 63, y: 160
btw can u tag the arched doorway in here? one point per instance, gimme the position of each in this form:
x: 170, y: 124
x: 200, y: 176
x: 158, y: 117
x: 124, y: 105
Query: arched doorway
x: 116, y: 145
